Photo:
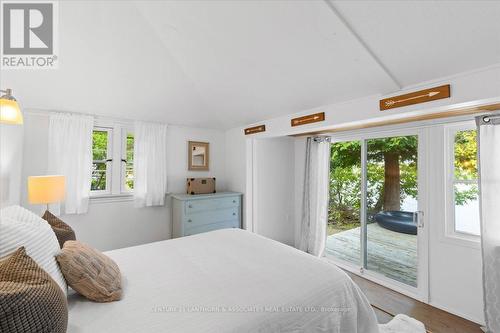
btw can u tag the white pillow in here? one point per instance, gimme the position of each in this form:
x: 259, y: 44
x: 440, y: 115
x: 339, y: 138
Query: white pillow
x: 18, y: 213
x: 36, y: 235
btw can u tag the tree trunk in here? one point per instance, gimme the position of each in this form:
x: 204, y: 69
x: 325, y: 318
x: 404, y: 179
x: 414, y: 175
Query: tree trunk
x: 392, y: 186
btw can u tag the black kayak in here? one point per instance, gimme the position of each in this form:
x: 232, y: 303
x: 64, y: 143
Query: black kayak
x: 398, y: 221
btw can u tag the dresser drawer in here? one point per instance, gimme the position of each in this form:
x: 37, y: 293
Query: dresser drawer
x: 210, y: 204
x: 211, y: 216
x: 194, y: 214
x: 210, y: 227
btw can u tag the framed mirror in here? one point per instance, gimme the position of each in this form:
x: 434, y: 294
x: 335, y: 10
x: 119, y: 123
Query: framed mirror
x: 198, y: 155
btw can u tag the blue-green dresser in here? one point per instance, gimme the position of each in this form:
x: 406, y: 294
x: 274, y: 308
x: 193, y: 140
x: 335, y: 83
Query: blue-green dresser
x: 194, y: 214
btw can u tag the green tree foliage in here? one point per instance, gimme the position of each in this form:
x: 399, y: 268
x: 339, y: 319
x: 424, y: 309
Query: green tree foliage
x: 465, y: 166
x: 391, y: 175
x: 345, y: 186
x: 129, y: 168
x: 391, y: 164
x: 99, y: 155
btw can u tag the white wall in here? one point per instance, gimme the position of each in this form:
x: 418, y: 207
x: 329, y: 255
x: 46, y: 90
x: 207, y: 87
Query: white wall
x: 300, y: 166
x: 177, y: 145
x: 235, y: 160
x: 455, y: 278
x: 236, y: 167
x: 11, y: 146
x: 110, y: 225
x: 274, y: 189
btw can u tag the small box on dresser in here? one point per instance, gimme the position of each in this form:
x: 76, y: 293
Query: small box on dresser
x: 194, y: 214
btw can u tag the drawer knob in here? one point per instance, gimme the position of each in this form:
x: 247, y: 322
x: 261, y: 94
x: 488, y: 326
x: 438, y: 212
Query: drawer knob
x: 234, y: 201
x: 190, y: 206
x: 234, y: 214
x: 190, y: 220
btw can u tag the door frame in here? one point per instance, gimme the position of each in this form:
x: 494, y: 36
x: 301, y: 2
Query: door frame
x: 421, y: 292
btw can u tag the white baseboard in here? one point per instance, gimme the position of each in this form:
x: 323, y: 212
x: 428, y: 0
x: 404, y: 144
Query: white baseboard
x: 457, y: 313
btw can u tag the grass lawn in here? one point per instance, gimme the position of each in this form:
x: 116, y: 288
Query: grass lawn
x: 336, y: 228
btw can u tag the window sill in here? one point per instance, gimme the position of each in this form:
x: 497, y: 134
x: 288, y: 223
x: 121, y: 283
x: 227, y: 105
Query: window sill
x: 462, y: 240
x: 108, y: 198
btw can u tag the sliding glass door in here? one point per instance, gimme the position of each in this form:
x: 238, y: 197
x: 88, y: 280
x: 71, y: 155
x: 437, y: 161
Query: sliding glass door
x: 375, y: 219
x: 344, y: 216
x: 392, y: 207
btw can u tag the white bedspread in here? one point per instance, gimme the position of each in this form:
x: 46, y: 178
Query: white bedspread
x: 225, y: 281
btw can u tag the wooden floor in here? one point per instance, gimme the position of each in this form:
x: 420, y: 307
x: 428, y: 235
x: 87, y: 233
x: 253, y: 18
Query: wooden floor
x: 390, y: 253
x: 387, y: 303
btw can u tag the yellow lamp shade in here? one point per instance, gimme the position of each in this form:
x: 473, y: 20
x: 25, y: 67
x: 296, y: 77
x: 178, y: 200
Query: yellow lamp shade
x: 46, y: 189
x: 10, y: 112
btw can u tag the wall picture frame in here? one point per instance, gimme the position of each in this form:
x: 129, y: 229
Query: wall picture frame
x: 198, y: 156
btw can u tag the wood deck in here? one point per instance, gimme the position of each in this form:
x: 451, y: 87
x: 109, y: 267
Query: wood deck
x: 390, y: 253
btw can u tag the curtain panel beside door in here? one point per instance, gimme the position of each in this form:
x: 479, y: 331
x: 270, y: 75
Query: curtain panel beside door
x: 489, y: 176
x: 315, y: 197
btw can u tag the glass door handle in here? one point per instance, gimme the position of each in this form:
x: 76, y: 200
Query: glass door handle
x: 418, y: 218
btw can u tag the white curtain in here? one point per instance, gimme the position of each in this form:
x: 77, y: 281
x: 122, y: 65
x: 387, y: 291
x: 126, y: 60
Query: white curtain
x: 315, y: 197
x: 70, y: 154
x: 150, y: 164
x: 489, y: 175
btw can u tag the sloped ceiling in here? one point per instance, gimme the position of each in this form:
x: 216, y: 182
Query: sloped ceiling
x: 423, y: 40
x: 221, y: 64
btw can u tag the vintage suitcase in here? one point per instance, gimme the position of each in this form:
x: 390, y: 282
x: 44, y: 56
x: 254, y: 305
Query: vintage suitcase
x: 200, y: 185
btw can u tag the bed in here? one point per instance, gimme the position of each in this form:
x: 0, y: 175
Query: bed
x: 227, y: 280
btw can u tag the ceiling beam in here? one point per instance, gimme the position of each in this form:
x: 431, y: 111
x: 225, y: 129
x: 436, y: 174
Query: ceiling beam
x: 349, y: 27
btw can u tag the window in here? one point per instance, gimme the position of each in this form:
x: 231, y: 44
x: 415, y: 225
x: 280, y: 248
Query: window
x: 101, y: 138
x: 113, y: 160
x: 462, y: 184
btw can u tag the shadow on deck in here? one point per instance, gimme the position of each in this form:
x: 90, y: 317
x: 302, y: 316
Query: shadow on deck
x: 390, y: 253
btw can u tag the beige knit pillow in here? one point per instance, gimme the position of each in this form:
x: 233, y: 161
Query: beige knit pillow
x: 63, y: 231
x: 30, y: 300
x: 89, y: 272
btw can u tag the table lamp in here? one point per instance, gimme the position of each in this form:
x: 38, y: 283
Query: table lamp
x: 46, y: 189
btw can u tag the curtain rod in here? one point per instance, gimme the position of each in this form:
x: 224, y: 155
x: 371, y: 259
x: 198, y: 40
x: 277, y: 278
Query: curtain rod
x: 323, y: 138
x: 487, y: 118
x: 430, y: 116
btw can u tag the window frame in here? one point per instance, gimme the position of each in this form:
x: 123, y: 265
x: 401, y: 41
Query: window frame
x: 109, y: 155
x: 115, y: 172
x: 450, y: 224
